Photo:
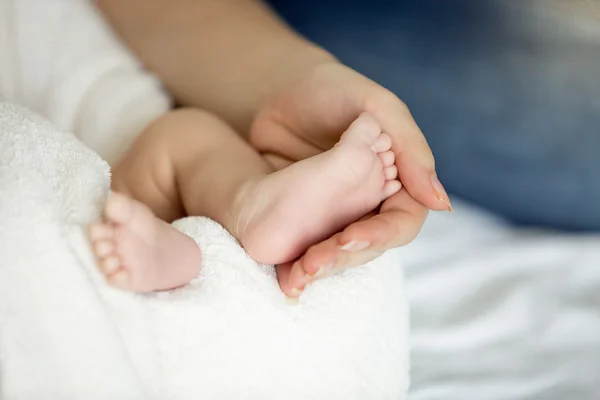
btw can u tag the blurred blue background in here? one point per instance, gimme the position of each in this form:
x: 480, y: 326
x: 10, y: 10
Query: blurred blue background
x: 506, y: 92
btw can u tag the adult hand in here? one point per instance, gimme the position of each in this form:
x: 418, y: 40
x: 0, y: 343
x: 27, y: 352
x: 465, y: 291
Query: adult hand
x: 308, y: 117
x: 238, y: 60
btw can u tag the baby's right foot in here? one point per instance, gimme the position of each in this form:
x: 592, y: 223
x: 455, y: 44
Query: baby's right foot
x: 137, y: 251
x: 278, y: 217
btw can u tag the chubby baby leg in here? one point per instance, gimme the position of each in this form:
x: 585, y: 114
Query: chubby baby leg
x: 275, y: 216
x: 190, y: 162
x: 136, y: 249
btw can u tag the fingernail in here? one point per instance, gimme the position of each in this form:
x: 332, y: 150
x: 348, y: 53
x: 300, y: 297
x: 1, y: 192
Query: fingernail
x: 440, y: 192
x: 296, y: 292
x: 323, y: 269
x: 355, y: 245
x: 292, y: 301
x: 298, y: 277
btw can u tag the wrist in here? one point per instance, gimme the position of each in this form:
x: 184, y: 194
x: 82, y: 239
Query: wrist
x: 294, y: 63
x: 298, y: 60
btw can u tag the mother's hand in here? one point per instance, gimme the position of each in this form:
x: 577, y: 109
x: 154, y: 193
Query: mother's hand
x: 307, y: 118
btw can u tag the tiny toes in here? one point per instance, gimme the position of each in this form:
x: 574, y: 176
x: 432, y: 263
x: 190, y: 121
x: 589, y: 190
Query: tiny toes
x: 388, y: 158
x: 390, y: 173
x: 365, y: 128
x: 100, y: 231
x: 383, y: 143
x: 390, y: 188
x: 104, y: 248
x: 118, y: 208
x: 120, y: 279
x: 110, y: 265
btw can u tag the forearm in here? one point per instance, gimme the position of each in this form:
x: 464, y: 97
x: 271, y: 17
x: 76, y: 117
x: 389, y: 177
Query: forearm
x: 225, y: 56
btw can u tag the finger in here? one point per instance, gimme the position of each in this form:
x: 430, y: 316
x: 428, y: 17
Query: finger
x: 414, y: 159
x: 283, y: 274
x: 321, y: 258
x: 397, y: 224
x: 328, y: 257
x: 293, y: 277
x: 297, y: 279
x: 276, y: 162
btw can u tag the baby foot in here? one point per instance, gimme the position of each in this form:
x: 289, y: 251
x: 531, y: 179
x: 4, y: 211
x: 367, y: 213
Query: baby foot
x: 139, y: 252
x: 278, y: 217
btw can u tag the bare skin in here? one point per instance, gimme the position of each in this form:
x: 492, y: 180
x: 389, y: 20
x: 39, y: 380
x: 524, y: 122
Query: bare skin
x: 231, y: 55
x: 289, y: 97
x: 191, y: 163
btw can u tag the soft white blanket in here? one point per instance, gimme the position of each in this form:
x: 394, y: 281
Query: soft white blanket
x: 229, y: 334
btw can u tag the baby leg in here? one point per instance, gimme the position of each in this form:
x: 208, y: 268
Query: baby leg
x: 277, y: 216
x: 201, y: 167
x: 135, y: 248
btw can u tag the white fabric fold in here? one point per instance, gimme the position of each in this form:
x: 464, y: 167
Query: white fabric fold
x: 230, y: 333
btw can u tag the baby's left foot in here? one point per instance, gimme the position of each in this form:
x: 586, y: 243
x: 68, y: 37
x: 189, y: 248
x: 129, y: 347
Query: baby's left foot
x: 278, y: 217
x: 139, y: 252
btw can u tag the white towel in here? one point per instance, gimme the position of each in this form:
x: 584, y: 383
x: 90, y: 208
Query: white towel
x: 229, y: 334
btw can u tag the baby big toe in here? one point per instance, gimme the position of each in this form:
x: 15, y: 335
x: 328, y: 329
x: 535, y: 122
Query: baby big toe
x: 364, y: 129
x: 382, y: 143
x: 118, y: 208
x: 100, y: 231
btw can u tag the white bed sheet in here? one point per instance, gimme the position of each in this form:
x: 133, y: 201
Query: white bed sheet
x: 500, y: 313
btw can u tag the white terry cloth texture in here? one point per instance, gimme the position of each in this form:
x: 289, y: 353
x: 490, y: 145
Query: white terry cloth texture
x: 61, y: 60
x: 229, y: 334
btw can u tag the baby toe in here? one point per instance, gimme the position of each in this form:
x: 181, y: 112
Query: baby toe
x: 388, y: 158
x: 320, y: 260
x: 118, y: 208
x: 110, y: 265
x: 390, y: 172
x: 100, y: 231
x: 120, y: 279
x: 382, y: 143
x: 104, y: 248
